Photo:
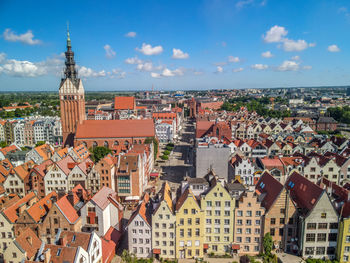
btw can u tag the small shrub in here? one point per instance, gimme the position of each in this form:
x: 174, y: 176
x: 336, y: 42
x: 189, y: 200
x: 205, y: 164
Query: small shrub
x: 166, y: 152
x: 169, y: 148
x: 164, y: 157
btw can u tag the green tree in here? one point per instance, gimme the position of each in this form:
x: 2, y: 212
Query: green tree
x: 39, y: 143
x: 267, y: 244
x: 155, y: 145
x: 3, y: 144
x: 98, y: 153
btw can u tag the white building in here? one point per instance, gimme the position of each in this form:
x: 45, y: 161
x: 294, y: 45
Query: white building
x: 140, y: 230
x: 102, y: 212
x: 165, y: 130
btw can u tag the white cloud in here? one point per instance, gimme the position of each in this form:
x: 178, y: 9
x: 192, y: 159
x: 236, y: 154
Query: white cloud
x: 24, y: 68
x: 117, y: 73
x: 26, y: 38
x: 333, y: 48
x: 219, y: 69
x: 155, y: 75
x: 259, y: 66
x: 110, y: 53
x: 275, y: 34
x: 171, y: 73
x: 88, y: 72
x: 179, y: 54
x: 147, y: 66
x: 295, y: 58
x: 240, y: 4
x: 148, y: 50
x: 307, y: 67
x: 233, y: 59
x: 2, y: 57
x: 291, y: 45
x: 289, y: 65
x: 131, y: 34
x: 267, y: 54
x: 133, y: 61
x: 237, y: 70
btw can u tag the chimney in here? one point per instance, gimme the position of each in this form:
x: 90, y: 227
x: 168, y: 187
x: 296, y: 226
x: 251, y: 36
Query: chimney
x: 70, y: 198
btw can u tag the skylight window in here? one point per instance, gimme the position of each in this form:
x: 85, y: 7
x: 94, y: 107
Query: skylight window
x: 58, y: 252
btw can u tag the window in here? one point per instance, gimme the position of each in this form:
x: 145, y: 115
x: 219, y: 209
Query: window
x: 239, y: 230
x: 330, y: 250
x: 227, y: 203
x: 189, y: 221
x: 182, y: 233
x: 281, y: 220
x: 347, y: 239
x: 311, y: 225
x: 239, y: 213
x: 310, y: 237
x: 227, y: 213
x: 282, y: 210
x: 197, y: 232
x: 323, y: 215
x: 226, y: 221
x: 208, y: 212
x: 258, y: 213
x: 197, y: 221
x: 249, y: 213
x: 333, y: 225
x: 272, y: 231
x: 239, y: 239
x: 14, y: 255
x: 281, y: 231
x: 273, y: 221
x: 185, y: 211
x: 257, y: 222
x: 248, y: 231
x: 309, y: 251
x: 321, y: 237
x: 217, y: 203
x: 320, y: 250
x: 189, y: 232
x: 193, y: 211
x: 208, y: 203
x: 322, y: 225
x: 332, y: 237
x: 240, y: 222
x: 134, y: 241
x: 181, y: 222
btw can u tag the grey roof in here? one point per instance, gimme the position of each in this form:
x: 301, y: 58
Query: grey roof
x: 327, y: 120
x: 197, y: 181
x: 235, y: 186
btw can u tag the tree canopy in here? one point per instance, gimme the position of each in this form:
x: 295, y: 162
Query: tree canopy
x: 99, y: 152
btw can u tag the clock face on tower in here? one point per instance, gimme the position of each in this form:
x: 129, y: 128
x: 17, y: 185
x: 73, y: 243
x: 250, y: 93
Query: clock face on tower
x: 72, y: 102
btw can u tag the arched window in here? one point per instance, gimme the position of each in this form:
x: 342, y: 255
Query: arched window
x: 85, y: 144
x: 116, y: 143
x: 217, y: 132
x: 135, y: 141
x: 94, y: 145
x: 140, y: 142
x: 106, y: 144
x: 126, y: 143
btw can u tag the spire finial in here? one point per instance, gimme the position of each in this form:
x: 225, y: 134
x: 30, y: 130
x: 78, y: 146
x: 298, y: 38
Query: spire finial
x: 68, y: 35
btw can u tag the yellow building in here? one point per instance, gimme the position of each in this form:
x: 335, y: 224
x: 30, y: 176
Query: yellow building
x: 343, y: 244
x: 218, y: 207
x: 163, y: 225
x: 189, y: 226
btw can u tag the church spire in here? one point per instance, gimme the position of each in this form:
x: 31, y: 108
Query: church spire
x: 70, y: 71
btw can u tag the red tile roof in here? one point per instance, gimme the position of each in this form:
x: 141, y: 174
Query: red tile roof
x: 11, y: 211
x: 124, y: 103
x: 8, y: 149
x: 270, y: 188
x: 29, y: 242
x: 41, y: 208
x: 115, y: 129
x: 67, y: 209
x: 303, y: 192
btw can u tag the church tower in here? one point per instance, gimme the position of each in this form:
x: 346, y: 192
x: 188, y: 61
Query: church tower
x: 72, y: 98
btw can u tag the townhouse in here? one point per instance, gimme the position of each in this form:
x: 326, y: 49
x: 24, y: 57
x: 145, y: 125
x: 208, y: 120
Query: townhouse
x: 189, y: 226
x: 163, y: 225
x: 318, y: 218
x: 218, y: 206
x: 139, y: 229
x: 248, y: 227
x: 102, y: 212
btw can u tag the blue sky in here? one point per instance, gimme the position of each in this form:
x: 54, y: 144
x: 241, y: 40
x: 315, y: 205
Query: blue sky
x: 132, y: 45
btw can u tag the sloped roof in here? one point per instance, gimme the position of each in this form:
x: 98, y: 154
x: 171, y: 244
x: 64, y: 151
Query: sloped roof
x: 44, y: 151
x: 41, y: 168
x: 124, y: 103
x: 11, y: 211
x: 186, y: 194
x: 115, y: 129
x: 303, y: 192
x: 270, y: 187
x: 143, y: 211
x: 63, y: 164
x: 23, y: 170
x: 67, y: 254
x: 41, y: 208
x: 67, y: 209
x: 76, y: 239
x: 8, y: 149
x: 30, y: 247
x: 103, y: 196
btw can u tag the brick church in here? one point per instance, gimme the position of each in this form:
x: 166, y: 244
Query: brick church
x: 77, y: 130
